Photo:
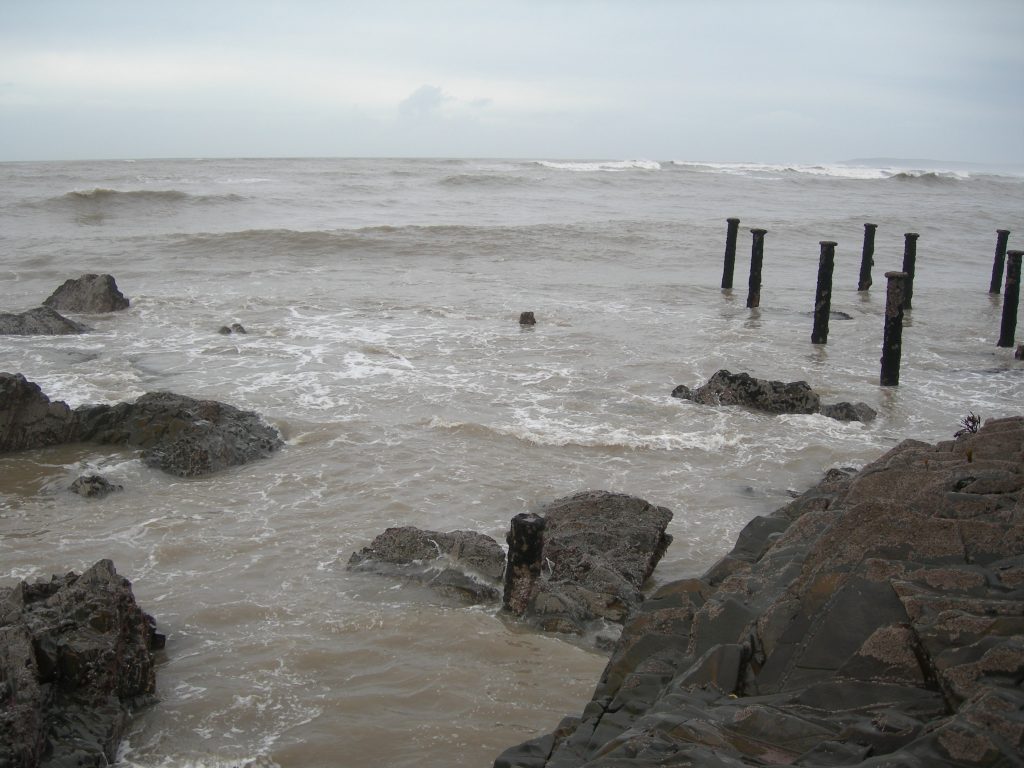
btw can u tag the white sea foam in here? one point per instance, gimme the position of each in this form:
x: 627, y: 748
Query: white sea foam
x: 603, y: 165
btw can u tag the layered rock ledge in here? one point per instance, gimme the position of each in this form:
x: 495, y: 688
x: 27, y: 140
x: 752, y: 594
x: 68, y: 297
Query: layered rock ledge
x: 178, y: 434
x: 76, y: 658
x: 877, y: 620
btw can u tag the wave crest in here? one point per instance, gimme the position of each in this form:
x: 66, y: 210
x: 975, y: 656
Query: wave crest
x: 612, y: 166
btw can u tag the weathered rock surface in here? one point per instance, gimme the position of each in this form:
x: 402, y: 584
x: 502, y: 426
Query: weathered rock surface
x: 583, y: 559
x: 89, y: 294
x: 41, y: 321
x: 178, y: 434
x: 877, y: 620
x: 76, y: 658
x: 94, y: 486
x: 460, y: 564
x: 726, y: 388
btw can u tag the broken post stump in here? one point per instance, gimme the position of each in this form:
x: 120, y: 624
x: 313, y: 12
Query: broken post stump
x: 892, y: 336
x: 527, y: 318
x: 1002, y: 238
x: 823, y: 295
x: 909, y: 265
x: 730, y: 252
x: 525, y: 540
x: 1011, y: 297
x: 756, y: 258
x: 867, y: 260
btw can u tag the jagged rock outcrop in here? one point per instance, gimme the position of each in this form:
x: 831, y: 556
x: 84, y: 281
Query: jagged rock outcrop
x: 76, y: 658
x: 88, y: 294
x: 582, y: 560
x: 877, y: 620
x: 178, y: 434
x: 726, y: 388
x: 460, y: 564
x: 41, y: 321
x: 94, y: 486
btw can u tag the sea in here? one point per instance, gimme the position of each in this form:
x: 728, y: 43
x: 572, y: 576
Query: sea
x: 381, y: 300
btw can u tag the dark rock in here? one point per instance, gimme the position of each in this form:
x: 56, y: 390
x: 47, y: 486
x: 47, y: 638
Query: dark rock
x: 849, y: 412
x: 224, y: 330
x: 725, y: 388
x: 181, y: 435
x: 876, y: 620
x: 237, y: 328
x: 1019, y: 353
x: 94, y: 486
x: 75, y: 660
x: 527, y: 318
x: 89, y: 294
x: 41, y: 321
x: 460, y: 564
x: 178, y: 434
x: 595, y: 551
x: 27, y: 417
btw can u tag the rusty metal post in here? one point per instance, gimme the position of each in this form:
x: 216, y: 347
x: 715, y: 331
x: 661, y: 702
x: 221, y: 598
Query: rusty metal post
x: 892, y: 337
x: 823, y: 294
x: 733, y: 227
x: 1011, y: 297
x: 867, y: 260
x: 1002, y: 238
x: 909, y: 265
x: 756, y: 258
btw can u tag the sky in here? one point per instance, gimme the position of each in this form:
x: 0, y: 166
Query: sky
x: 715, y: 80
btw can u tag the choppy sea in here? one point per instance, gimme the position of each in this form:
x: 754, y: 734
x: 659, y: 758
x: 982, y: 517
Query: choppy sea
x: 381, y: 300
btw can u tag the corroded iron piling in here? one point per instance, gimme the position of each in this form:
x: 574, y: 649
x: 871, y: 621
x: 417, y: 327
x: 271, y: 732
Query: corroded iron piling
x: 525, y: 540
x: 730, y: 252
x: 867, y: 260
x: 756, y: 257
x: 909, y: 265
x: 823, y: 295
x: 892, y: 337
x: 1002, y: 238
x: 1011, y: 297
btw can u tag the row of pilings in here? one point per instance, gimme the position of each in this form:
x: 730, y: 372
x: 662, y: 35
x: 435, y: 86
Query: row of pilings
x: 899, y: 288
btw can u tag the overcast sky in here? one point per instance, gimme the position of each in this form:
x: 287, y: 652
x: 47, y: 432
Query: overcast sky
x: 720, y: 80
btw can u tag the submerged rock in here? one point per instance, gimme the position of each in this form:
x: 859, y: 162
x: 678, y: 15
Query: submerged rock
x: 527, y: 318
x: 89, y: 294
x: 178, y: 434
x: 76, y: 657
x: 41, y: 321
x: 726, y: 388
x: 460, y: 564
x: 94, y: 486
x: 878, y: 619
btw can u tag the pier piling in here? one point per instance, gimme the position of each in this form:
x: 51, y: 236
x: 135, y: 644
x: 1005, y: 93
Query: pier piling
x: 892, y: 337
x: 867, y: 260
x: 1002, y: 237
x: 756, y: 258
x: 525, y: 539
x: 823, y: 294
x: 909, y: 265
x: 730, y: 252
x: 1011, y: 297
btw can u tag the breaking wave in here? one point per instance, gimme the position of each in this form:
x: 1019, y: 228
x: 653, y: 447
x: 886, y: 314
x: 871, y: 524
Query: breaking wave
x: 604, y: 165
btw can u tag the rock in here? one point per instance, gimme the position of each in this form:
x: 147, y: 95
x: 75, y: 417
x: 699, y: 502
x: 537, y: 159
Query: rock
x: 1019, y: 353
x: 527, y: 318
x: 224, y: 330
x: 237, y: 328
x: 94, y: 486
x: 181, y: 435
x: 460, y: 564
x: 89, y: 294
x: 586, y: 563
x: 233, y: 328
x: 878, y: 619
x: 849, y: 412
x: 725, y: 388
x: 76, y: 657
x: 41, y: 321
x: 27, y: 417
x: 178, y: 434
